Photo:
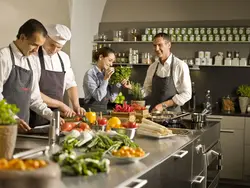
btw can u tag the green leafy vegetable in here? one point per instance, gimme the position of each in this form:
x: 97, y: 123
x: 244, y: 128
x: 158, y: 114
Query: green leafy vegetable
x: 7, y: 112
x: 120, y: 74
x: 87, y: 164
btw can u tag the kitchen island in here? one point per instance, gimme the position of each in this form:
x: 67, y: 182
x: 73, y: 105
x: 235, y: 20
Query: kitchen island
x: 161, y: 150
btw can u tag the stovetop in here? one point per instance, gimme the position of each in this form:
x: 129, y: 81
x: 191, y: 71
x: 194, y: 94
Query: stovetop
x: 186, y: 124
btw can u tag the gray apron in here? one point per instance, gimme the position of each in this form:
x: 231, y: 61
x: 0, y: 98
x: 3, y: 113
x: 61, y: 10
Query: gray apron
x: 51, y: 84
x: 98, y: 106
x: 17, y: 89
x: 163, y: 89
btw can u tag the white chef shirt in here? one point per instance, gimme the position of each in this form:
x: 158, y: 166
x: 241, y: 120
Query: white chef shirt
x: 53, y: 63
x: 36, y: 103
x: 181, y: 77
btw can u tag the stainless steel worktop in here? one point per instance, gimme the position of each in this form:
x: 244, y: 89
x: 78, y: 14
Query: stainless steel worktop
x: 121, y: 175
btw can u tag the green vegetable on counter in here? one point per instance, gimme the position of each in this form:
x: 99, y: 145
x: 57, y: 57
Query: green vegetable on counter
x: 99, y: 143
x: 120, y: 74
x: 7, y: 112
x: 92, y: 160
x: 119, y: 99
x: 86, y: 165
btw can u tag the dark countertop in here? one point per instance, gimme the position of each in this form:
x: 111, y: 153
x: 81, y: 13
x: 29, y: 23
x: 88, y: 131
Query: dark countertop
x: 122, y: 174
x: 232, y: 114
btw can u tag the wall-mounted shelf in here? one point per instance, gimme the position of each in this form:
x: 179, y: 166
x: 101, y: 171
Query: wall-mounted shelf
x: 197, y: 67
x: 194, y: 67
x: 127, y: 64
x: 224, y: 66
x: 175, y: 42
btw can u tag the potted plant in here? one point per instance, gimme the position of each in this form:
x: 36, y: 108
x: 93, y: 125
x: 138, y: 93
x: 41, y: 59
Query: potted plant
x: 8, y: 129
x: 137, y: 94
x: 244, y: 93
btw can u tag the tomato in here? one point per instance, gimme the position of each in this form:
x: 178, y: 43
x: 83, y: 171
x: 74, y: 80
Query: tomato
x: 125, y: 124
x: 83, y: 126
x: 102, y: 121
x: 68, y: 126
x: 132, y: 125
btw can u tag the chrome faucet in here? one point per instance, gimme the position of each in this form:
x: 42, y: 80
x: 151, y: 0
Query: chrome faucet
x: 208, y: 103
x: 54, y: 131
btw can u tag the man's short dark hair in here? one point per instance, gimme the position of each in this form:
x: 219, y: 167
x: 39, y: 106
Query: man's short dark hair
x: 164, y: 36
x: 30, y: 27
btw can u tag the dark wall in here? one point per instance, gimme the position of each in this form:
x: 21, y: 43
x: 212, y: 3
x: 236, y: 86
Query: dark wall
x: 221, y: 81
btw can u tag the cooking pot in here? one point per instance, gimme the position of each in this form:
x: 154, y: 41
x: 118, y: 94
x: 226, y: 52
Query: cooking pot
x: 199, y: 117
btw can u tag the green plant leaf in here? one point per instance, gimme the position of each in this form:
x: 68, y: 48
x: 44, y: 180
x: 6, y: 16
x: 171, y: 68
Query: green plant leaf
x: 243, y: 91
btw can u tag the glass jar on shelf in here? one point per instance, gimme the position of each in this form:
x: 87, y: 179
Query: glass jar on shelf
x: 133, y: 34
x: 123, y: 58
x: 103, y: 37
x: 118, y: 36
x: 118, y: 57
x: 146, y: 58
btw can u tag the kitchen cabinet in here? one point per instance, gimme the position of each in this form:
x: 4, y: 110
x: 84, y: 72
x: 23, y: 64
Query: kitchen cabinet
x: 175, y: 172
x: 247, y: 147
x: 232, y: 144
x: 247, y: 161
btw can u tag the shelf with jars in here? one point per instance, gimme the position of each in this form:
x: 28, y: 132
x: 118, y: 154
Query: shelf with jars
x: 175, y: 42
x: 180, y: 35
x: 204, y: 58
x: 220, y: 35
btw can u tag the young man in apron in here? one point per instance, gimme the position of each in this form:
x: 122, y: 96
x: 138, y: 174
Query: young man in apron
x: 18, y: 85
x: 55, y: 75
x: 168, y: 82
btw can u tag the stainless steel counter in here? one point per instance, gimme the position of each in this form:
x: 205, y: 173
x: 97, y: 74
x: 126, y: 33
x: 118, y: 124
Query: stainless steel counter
x: 121, y: 175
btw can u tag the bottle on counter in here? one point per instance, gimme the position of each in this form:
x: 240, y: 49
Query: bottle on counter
x: 192, y: 101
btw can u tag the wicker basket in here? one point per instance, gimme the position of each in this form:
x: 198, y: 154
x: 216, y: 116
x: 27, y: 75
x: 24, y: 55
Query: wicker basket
x: 8, y: 134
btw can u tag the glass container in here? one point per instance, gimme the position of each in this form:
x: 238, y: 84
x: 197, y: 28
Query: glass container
x: 227, y: 104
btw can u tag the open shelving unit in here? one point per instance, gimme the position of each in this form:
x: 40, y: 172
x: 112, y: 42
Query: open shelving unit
x: 174, y: 42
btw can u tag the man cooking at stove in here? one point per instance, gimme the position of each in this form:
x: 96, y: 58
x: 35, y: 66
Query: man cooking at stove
x: 167, y: 83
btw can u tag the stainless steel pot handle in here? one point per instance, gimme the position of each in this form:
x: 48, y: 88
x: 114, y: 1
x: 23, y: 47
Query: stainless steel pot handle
x: 140, y: 183
x: 180, y: 154
x: 226, y: 131
x: 198, y: 179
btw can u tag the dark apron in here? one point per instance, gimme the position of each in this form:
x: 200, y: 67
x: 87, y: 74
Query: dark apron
x: 163, y: 89
x: 51, y: 84
x: 17, y: 89
x: 98, y: 106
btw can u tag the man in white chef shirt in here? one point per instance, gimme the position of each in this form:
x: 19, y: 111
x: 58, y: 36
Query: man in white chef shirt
x: 167, y: 83
x: 18, y: 85
x: 55, y: 74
